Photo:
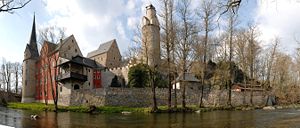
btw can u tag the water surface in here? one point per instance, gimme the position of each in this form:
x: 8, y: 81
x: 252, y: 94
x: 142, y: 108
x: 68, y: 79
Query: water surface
x: 227, y: 119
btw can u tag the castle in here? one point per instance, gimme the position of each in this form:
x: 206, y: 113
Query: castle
x: 60, y: 69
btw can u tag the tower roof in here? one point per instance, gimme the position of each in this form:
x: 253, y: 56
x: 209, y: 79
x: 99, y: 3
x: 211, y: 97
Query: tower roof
x: 33, y: 42
x: 150, y: 7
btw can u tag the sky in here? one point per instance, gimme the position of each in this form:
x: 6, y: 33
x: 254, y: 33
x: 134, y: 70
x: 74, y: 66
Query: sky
x: 94, y: 22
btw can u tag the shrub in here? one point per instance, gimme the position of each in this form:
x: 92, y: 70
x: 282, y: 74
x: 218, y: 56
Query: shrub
x: 138, y: 76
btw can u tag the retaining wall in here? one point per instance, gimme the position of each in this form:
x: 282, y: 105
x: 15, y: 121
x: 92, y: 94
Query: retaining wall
x: 142, y: 97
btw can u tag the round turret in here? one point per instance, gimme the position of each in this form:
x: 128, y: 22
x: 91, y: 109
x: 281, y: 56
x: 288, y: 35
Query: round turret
x: 29, y: 68
x: 151, y: 37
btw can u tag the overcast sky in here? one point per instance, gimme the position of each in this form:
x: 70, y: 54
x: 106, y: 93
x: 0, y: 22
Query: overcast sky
x: 96, y: 21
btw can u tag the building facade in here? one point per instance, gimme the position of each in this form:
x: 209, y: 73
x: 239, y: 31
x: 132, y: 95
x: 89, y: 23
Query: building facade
x: 58, y: 68
x: 107, y: 54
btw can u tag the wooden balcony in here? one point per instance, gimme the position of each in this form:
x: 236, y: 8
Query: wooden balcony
x: 71, y: 76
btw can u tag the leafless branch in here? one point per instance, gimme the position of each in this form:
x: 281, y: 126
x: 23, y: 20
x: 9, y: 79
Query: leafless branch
x: 11, y: 5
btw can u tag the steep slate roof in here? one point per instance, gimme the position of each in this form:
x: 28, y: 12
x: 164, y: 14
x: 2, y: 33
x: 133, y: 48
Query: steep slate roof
x: 32, y: 46
x: 189, y: 77
x: 103, y: 48
x: 83, y: 61
x: 51, y: 46
x: 59, y: 45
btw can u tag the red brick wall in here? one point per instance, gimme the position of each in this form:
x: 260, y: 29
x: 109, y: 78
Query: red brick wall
x: 42, y: 74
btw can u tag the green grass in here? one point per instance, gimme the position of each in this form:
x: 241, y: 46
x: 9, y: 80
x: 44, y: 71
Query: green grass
x: 119, y: 109
x: 31, y: 106
x: 84, y: 109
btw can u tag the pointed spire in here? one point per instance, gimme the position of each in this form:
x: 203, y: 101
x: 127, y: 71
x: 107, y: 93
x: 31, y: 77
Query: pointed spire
x: 33, y: 33
x: 33, y: 41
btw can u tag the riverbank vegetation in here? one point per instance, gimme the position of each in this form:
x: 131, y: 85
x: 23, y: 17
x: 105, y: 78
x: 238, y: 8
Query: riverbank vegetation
x: 128, y: 110
x: 84, y: 109
x: 120, y: 109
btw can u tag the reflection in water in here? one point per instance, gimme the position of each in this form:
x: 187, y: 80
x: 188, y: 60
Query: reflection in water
x: 229, y: 119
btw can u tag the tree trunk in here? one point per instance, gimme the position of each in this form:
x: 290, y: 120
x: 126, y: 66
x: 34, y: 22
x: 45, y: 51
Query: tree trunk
x: 183, y: 95
x: 175, y: 92
x: 17, y: 81
x: 229, y: 93
x: 229, y: 84
x: 154, y: 107
x: 45, y: 89
x: 169, y: 84
x: 56, y: 86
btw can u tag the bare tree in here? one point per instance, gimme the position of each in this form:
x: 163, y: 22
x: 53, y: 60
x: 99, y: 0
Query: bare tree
x: 17, y: 71
x: 253, y: 48
x: 231, y: 29
x: 186, y: 36
x: 43, y: 70
x: 134, y: 51
x: 207, y: 13
x: 11, y: 5
x: 231, y: 4
x: 51, y: 34
x: 271, y: 60
x: 168, y: 38
x: 55, y: 35
x: 7, y: 72
x: 3, y: 74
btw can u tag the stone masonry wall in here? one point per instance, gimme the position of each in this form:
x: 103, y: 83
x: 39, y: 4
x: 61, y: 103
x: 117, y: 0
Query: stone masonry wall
x: 142, y: 97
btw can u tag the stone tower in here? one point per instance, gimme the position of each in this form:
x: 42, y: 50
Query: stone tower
x: 151, y: 37
x: 31, y: 56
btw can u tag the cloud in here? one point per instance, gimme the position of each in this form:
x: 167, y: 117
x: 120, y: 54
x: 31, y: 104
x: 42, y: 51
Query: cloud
x: 279, y: 18
x: 94, y: 22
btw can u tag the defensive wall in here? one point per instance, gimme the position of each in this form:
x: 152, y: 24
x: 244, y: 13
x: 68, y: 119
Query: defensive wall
x: 142, y: 97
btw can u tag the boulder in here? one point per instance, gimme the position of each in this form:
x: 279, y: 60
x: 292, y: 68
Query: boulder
x: 269, y: 108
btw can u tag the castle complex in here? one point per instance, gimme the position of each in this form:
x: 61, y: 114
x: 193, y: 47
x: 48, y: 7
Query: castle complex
x: 61, y: 68
x: 61, y: 71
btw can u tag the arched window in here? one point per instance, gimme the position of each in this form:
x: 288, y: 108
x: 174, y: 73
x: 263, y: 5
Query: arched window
x: 76, y: 87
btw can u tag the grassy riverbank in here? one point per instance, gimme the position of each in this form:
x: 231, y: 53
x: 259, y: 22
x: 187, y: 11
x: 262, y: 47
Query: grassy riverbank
x: 84, y: 109
x: 109, y: 109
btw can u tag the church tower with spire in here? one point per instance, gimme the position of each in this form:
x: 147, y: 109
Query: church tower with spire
x: 150, y: 38
x: 31, y: 56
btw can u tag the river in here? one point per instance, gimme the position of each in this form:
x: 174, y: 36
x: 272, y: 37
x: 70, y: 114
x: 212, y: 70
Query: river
x: 228, y: 119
